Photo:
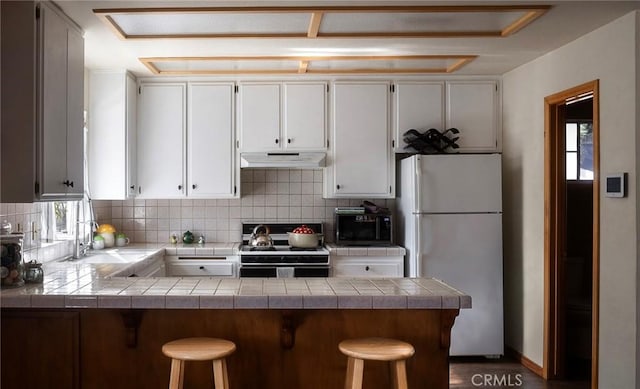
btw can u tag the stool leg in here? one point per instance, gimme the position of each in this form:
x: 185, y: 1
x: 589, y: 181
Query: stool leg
x: 399, y: 374
x: 220, y: 376
x: 355, y: 369
x: 176, y: 380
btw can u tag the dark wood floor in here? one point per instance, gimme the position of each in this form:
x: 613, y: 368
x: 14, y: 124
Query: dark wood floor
x: 473, y: 373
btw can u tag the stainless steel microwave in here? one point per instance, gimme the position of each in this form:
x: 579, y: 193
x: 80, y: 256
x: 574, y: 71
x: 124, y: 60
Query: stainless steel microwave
x: 369, y: 229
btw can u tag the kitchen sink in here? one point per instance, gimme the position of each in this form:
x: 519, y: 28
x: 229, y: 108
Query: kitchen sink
x: 113, y: 256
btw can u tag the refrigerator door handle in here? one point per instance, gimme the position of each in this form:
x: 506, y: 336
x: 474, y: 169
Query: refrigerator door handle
x: 417, y: 184
x: 417, y: 252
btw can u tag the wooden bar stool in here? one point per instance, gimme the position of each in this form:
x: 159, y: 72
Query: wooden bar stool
x: 376, y: 349
x: 199, y: 349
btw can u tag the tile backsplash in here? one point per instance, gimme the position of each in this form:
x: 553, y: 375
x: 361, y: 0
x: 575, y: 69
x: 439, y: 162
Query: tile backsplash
x: 266, y: 195
x: 23, y: 218
x: 26, y: 218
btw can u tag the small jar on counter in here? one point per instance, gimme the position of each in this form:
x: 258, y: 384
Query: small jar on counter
x: 33, y: 273
x: 11, y: 269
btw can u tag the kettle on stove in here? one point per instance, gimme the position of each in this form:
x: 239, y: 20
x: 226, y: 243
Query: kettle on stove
x: 260, y: 238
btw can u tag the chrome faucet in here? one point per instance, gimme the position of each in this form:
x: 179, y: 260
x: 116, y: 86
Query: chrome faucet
x: 81, y: 245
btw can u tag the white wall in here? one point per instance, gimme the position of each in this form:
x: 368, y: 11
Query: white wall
x: 610, y: 55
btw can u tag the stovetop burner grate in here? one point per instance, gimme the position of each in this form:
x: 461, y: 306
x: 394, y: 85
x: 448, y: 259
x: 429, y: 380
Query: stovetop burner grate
x: 262, y: 248
x: 303, y: 248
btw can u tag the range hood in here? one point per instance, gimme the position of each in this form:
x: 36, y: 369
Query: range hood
x: 303, y: 160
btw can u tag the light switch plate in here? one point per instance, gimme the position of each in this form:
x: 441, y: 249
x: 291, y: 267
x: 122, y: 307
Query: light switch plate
x: 615, y: 185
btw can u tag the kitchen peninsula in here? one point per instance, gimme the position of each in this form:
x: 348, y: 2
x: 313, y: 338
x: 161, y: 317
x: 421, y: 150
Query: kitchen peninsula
x: 82, y: 330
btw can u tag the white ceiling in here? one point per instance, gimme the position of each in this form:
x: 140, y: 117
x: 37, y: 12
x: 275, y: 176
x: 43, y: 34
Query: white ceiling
x: 564, y: 22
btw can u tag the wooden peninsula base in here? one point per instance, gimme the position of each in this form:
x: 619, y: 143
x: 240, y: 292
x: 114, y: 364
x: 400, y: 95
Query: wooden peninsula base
x: 276, y: 349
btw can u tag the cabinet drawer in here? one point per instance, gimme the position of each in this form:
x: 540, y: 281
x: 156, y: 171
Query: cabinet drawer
x: 201, y: 269
x: 370, y: 270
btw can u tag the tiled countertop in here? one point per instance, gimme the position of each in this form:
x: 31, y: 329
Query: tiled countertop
x: 85, y: 290
x: 89, y: 286
x: 366, y: 251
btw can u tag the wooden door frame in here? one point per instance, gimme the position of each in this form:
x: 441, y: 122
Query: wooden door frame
x: 555, y: 226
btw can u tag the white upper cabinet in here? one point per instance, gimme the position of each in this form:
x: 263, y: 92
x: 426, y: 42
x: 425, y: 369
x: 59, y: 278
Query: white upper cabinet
x: 212, y: 163
x: 161, y: 135
x: 112, y: 135
x: 60, y: 120
x: 259, y: 117
x: 305, y: 116
x: 362, y: 163
x: 186, y: 143
x: 417, y: 105
x: 282, y: 116
x: 472, y: 107
x: 131, y: 181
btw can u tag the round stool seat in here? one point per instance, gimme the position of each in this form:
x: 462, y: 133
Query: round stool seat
x: 377, y: 349
x: 198, y: 349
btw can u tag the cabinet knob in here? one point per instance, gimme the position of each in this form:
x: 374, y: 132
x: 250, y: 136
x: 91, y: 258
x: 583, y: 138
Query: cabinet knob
x: 179, y: 187
x: 67, y: 183
x: 194, y: 186
x: 338, y: 187
x: 277, y: 141
x: 366, y: 268
x: 289, y: 140
x: 132, y: 187
x: 201, y: 267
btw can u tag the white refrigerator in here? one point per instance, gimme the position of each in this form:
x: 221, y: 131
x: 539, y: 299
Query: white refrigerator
x: 450, y: 222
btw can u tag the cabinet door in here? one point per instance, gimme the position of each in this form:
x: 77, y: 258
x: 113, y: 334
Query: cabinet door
x: 418, y: 105
x: 200, y: 268
x: 40, y: 349
x: 111, y: 137
x: 106, y: 137
x: 75, y: 113
x: 131, y: 111
x: 211, y: 167
x: 161, y: 140
x: 472, y: 109
x: 259, y: 117
x: 305, y: 116
x: 61, y: 123
x: 371, y: 269
x: 362, y: 161
x: 53, y: 118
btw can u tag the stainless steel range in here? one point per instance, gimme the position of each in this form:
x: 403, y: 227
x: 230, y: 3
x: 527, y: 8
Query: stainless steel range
x: 265, y: 252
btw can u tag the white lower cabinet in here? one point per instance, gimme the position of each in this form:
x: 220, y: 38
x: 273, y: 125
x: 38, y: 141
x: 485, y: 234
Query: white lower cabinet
x: 200, y: 267
x: 368, y: 267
